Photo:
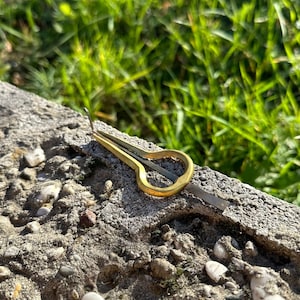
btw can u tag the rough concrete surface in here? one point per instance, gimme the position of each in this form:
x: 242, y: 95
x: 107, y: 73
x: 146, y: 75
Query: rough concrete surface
x: 72, y: 220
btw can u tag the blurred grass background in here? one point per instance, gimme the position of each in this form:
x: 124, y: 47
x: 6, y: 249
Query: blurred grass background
x: 217, y: 79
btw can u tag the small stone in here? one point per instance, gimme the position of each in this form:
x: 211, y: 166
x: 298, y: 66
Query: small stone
x: 162, y: 251
x: 250, y: 249
x: 207, y: 291
x: 55, y: 253
x: 178, y: 255
x: 215, y: 270
x: 162, y: 269
x: 92, y: 296
x: 239, y: 264
x: 33, y: 226
x: 263, y: 284
x: 28, y: 174
x: 143, y: 260
x: 89, y: 203
x: 66, y: 271
x: 75, y: 259
x: 5, y: 226
x: 220, y: 251
x: 87, y: 219
x: 74, y: 295
x: 12, y: 251
x: 68, y: 189
x: 184, y: 242
x: 4, y: 273
x: 260, y: 278
x: 64, y: 203
x: 43, y: 211
x: 168, y: 236
x: 108, y: 185
x: 231, y: 285
x: 35, y: 157
x: 258, y: 293
x: 165, y: 228
x: 227, y: 247
x: 49, y: 191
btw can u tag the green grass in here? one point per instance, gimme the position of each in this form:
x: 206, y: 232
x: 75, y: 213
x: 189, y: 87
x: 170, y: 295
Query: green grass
x: 217, y: 79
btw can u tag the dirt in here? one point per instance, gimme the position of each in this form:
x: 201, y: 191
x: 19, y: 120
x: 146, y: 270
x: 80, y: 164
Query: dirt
x: 76, y: 221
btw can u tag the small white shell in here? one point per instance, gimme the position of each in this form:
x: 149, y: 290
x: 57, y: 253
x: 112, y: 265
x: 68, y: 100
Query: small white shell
x: 215, y: 270
x: 35, y: 157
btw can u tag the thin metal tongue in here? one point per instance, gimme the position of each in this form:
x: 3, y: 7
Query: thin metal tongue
x: 190, y: 187
x: 207, y: 197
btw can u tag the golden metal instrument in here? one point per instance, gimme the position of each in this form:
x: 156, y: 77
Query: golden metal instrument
x: 136, y: 158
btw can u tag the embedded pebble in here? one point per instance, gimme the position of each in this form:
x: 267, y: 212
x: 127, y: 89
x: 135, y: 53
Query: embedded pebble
x: 4, y: 273
x: 43, y: 211
x: 68, y: 189
x: 87, y: 219
x: 162, y: 269
x: 215, y: 270
x: 177, y: 255
x: 184, y: 242
x: 92, y: 296
x: 66, y: 271
x: 108, y: 186
x: 168, y: 236
x: 220, y: 251
x: 5, y: 226
x: 49, y: 191
x: 165, y: 228
x: 227, y: 247
x: 263, y: 284
x: 35, y: 157
x: 89, y: 203
x: 250, y: 249
x: 75, y: 259
x: 33, y: 226
x: 28, y: 174
x: 162, y: 250
x: 260, y: 277
x: 74, y: 294
x: 12, y: 251
x: 143, y: 260
x: 231, y: 285
x: 207, y: 291
x: 55, y: 253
